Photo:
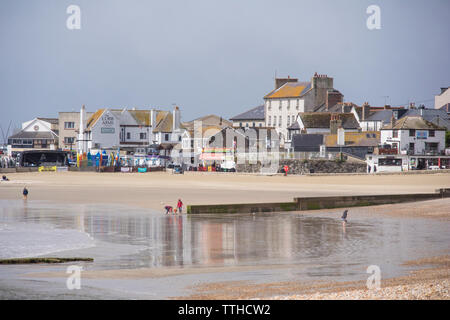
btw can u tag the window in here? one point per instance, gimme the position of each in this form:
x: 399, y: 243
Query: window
x: 431, y: 133
x: 260, y: 124
x: 279, y: 123
x: 412, y: 132
x: 394, y: 133
x: 69, y: 140
x: 128, y: 136
x: 269, y: 122
x: 298, y: 104
x: 270, y: 105
x: 411, y: 146
x: 69, y: 125
x: 143, y: 135
x: 389, y: 162
x: 274, y: 121
x: 166, y: 137
x: 240, y: 124
x: 288, y: 120
x: 289, y: 104
x: 254, y: 125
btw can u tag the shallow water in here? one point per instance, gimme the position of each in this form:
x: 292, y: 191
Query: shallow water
x: 118, y: 237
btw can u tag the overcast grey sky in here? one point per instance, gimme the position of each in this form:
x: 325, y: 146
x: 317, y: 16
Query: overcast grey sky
x: 214, y: 56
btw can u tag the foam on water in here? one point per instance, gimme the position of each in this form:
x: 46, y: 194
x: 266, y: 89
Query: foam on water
x: 22, y: 240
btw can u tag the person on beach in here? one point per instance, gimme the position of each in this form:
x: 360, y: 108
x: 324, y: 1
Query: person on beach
x: 180, y: 206
x: 4, y: 178
x: 168, y: 209
x: 344, y: 218
x: 286, y: 169
x: 25, y: 193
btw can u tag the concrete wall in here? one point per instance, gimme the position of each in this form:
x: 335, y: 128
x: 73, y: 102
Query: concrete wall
x: 315, y: 203
x: 305, y: 167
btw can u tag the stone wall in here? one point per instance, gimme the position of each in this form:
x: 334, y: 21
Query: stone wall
x: 309, y: 166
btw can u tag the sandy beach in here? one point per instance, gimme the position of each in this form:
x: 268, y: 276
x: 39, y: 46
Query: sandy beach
x: 153, y: 190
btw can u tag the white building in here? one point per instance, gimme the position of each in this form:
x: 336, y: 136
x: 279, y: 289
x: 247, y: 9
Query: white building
x: 39, y: 133
x: 291, y: 97
x: 128, y: 129
x: 442, y: 99
x: 413, y: 143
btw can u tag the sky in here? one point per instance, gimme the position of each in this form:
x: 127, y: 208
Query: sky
x: 214, y: 57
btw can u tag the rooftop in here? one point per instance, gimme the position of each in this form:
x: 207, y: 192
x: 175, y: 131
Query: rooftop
x: 290, y: 90
x: 256, y: 113
x: 412, y: 122
x: 322, y: 120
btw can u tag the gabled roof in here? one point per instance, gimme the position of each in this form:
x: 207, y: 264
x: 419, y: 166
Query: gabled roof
x: 164, y: 122
x: 290, y: 90
x: 209, y: 120
x: 50, y: 120
x: 412, y: 122
x: 142, y: 117
x: 93, y: 119
x: 256, y: 113
x: 322, y: 120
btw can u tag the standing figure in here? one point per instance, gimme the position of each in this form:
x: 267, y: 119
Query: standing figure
x: 25, y: 193
x: 180, y: 206
x: 344, y: 218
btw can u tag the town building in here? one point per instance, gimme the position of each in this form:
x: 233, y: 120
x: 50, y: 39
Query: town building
x: 254, y: 117
x: 410, y: 143
x: 68, y: 126
x: 290, y: 97
x: 39, y: 133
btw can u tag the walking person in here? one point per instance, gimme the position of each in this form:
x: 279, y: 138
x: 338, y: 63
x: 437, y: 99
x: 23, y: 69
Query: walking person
x: 180, y: 206
x: 25, y: 193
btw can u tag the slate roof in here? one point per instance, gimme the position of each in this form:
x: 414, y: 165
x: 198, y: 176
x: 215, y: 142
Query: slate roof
x: 256, y: 113
x: 322, y: 120
x: 306, y: 142
x: 412, y: 122
x: 290, y: 90
x: 34, y: 135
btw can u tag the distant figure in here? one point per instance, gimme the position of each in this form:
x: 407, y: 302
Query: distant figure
x: 180, y: 206
x: 344, y: 218
x: 286, y: 169
x: 374, y: 169
x: 25, y: 193
x: 369, y: 168
x: 4, y: 178
x: 168, y: 209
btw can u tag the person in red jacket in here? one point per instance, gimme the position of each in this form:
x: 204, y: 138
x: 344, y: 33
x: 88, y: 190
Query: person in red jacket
x: 180, y: 206
x: 286, y: 169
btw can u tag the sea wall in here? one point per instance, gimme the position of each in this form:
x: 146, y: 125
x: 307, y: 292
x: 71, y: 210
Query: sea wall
x: 316, y: 203
x: 309, y: 166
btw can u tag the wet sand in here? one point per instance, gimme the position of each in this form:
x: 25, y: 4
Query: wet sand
x: 431, y: 281
x: 154, y: 190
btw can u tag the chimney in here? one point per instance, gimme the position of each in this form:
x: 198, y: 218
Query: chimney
x: 335, y: 123
x: 365, y: 111
x: 333, y: 97
x: 176, y: 118
x: 340, y: 136
x: 321, y: 81
x: 153, y: 118
x: 392, y: 121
